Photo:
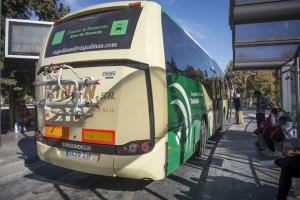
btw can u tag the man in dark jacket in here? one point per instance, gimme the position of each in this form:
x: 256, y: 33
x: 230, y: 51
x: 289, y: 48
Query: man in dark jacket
x: 261, y: 105
x: 290, y: 166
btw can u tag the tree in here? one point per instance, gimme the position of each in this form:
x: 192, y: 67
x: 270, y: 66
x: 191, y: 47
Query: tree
x: 246, y: 82
x: 265, y: 82
x: 46, y: 10
x: 24, y: 9
x: 16, y: 79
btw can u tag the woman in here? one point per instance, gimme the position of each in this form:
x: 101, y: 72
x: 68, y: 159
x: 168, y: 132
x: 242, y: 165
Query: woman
x: 270, y: 126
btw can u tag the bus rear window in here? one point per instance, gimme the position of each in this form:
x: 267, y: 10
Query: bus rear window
x: 101, y: 31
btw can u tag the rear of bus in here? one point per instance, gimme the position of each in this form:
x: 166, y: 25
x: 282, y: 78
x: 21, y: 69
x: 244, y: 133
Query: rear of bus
x: 95, y: 82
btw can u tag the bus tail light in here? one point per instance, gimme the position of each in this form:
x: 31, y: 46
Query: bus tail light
x: 39, y: 137
x: 145, y: 147
x: 135, y: 4
x: 57, y: 20
x: 135, y: 147
x: 122, y: 150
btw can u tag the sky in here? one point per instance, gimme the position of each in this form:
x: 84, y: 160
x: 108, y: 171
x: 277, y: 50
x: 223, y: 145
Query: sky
x: 205, y: 20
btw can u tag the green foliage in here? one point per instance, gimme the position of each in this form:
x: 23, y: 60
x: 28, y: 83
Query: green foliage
x: 23, y: 9
x: 246, y: 82
x: 48, y: 9
x: 8, y: 81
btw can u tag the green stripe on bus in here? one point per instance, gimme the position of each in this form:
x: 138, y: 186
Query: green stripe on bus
x: 186, y: 105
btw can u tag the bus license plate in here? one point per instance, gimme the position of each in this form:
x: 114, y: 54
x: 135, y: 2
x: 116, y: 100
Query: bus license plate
x: 79, y: 154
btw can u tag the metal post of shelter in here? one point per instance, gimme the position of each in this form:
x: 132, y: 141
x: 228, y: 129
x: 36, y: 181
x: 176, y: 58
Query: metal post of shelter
x: 0, y: 72
x: 297, y: 100
x: 280, y: 95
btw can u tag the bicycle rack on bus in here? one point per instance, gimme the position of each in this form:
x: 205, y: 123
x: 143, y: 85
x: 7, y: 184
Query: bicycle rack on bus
x: 73, y: 99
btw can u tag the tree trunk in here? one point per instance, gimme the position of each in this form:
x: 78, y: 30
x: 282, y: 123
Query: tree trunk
x: 12, y: 108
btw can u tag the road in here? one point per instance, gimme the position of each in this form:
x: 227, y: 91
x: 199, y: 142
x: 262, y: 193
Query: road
x: 23, y: 176
x: 229, y: 169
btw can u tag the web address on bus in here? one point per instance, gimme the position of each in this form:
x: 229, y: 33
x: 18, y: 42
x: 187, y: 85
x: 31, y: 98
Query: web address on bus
x: 84, y: 48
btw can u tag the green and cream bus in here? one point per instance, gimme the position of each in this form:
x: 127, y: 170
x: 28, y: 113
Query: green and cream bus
x: 122, y: 90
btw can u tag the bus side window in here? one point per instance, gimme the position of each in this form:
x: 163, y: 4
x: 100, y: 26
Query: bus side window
x: 209, y: 87
x: 199, y: 75
x: 182, y: 55
x: 172, y: 67
x: 221, y: 83
x: 217, y: 90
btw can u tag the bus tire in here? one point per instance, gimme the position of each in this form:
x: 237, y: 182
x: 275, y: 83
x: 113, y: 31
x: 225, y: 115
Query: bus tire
x: 203, y: 137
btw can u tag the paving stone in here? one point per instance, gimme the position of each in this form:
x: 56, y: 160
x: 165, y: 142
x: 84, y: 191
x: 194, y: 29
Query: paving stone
x: 235, y: 171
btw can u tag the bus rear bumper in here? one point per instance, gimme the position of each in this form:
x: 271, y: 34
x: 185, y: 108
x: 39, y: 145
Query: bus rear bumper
x: 150, y: 166
x: 100, y: 164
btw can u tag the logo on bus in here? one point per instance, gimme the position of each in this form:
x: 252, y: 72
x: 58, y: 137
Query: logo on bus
x: 185, y: 108
x: 109, y: 74
x: 81, y: 147
x: 119, y: 27
x: 195, y: 101
x: 107, y: 95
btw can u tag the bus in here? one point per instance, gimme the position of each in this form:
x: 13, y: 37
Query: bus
x: 122, y: 90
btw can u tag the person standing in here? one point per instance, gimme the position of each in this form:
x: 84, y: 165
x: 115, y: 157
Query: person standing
x: 238, y: 109
x: 22, y: 115
x: 261, y: 105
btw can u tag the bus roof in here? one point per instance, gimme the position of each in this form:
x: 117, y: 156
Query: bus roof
x: 125, y: 4
x: 141, y: 49
x: 105, y: 7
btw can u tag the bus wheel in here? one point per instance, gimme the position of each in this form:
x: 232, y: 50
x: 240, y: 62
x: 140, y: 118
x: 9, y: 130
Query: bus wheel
x: 203, y: 136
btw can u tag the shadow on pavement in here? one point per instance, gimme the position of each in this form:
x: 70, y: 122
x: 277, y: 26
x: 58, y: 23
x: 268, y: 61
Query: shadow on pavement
x: 28, y: 148
x: 199, y: 187
x: 244, y: 191
x: 58, y: 176
x: 199, y: 163
x: 225, y: 187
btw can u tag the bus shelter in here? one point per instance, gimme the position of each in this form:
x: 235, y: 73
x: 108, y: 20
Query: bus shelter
x: 266, y: 36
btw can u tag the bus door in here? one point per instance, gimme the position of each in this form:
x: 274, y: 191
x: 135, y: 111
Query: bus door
x: 215, y: 104
x: 218, y: 110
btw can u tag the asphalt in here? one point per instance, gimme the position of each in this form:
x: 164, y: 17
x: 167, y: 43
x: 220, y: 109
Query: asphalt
x: 16, y: 147
x: 229, y: 169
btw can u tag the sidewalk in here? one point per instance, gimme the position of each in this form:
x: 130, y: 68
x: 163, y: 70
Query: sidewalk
x: 16, y: 148
x: 234, y: 170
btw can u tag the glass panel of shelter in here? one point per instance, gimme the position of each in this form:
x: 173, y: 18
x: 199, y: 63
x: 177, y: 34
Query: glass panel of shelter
x: 244, y: 2
x: 268, y: 31
x: 265, y: 53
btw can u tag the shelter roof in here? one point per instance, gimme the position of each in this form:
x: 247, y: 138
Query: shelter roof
x: 265, y: 33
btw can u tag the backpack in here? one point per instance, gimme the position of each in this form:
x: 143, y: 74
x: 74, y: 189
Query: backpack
x: 263, y: 102
x: 277, y: 134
